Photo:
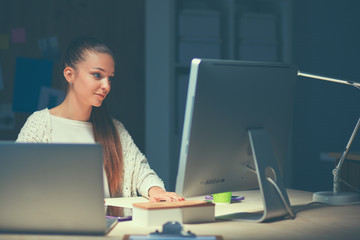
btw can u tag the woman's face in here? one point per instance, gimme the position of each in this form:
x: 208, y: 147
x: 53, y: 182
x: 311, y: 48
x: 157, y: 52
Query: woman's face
x: 92, y: 78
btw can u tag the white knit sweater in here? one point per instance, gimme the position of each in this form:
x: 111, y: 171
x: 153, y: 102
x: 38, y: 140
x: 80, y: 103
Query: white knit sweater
x: 138, y: 177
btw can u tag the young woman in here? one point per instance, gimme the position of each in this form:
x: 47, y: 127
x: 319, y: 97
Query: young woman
x: 88, y: 67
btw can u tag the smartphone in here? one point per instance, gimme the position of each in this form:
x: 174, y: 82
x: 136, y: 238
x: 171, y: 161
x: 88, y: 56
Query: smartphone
x: 120, y: 213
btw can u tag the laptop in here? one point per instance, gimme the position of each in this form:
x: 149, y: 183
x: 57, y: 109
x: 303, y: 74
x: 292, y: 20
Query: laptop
x: 52, y: 189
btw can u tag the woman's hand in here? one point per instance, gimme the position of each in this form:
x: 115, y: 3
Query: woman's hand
x: 158, y: 194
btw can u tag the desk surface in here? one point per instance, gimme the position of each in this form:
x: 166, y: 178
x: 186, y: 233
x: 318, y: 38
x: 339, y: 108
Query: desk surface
x: 312, y: 221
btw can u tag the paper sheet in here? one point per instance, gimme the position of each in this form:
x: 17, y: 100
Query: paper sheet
x: 49, y: 48
x: 18, y: 35
x: 4, y: 41
x: 1, y: 79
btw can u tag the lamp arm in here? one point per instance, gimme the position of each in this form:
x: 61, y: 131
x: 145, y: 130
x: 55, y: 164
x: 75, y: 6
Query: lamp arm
x: 347, y: 82
x: 336, y: 172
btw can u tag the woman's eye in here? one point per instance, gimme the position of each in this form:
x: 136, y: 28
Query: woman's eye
x: 97, y: 75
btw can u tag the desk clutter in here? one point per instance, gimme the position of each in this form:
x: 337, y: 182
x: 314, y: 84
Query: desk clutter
x: 157, y: 213
x: 171, y: 230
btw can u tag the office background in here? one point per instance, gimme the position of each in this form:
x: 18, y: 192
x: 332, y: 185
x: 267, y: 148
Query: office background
x: 324, y: 39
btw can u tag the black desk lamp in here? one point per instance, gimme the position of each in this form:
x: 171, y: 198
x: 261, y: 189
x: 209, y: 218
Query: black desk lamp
x: 336, y: 197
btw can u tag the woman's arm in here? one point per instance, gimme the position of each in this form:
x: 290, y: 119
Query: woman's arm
x: 139, y: 177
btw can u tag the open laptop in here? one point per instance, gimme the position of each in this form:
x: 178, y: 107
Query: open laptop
x: 52, y: 188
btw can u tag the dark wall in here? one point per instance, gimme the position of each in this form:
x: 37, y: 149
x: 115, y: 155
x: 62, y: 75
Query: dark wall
x: 326, y: 42
x: 118, y: 23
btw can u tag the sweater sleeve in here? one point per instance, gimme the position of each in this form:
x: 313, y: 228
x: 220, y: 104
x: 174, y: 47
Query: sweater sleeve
x: 37, y: 128
x: 138, y: 176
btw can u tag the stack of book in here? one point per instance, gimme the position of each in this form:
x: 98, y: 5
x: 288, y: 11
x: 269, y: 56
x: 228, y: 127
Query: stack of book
x: 198, y: 34
x: 257, y: 37
x: 158, y: 213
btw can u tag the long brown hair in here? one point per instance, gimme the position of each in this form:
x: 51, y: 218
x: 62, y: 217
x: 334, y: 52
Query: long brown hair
x: 106, y: 134
x: 103, y: 126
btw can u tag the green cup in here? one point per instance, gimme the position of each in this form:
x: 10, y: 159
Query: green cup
x: 222, y: 197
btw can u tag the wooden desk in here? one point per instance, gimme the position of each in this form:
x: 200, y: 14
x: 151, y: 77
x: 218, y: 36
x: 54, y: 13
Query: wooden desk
x: 313, y: 222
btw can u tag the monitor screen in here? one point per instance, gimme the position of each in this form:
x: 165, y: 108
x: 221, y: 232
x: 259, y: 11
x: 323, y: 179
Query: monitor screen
x: 225, y: 99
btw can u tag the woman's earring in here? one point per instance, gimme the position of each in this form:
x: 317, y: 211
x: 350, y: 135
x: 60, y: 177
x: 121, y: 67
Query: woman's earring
x: 71, y: 83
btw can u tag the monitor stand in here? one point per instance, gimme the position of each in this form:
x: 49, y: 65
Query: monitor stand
x: 266, y: 167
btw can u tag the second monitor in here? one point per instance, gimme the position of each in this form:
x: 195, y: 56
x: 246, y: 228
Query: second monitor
x: 225, y: 99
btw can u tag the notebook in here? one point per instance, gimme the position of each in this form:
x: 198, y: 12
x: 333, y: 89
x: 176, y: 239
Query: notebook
x: 52, y: 188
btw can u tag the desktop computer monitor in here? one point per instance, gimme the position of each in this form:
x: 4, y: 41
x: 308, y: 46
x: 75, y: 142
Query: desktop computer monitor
x: 225, y: 99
